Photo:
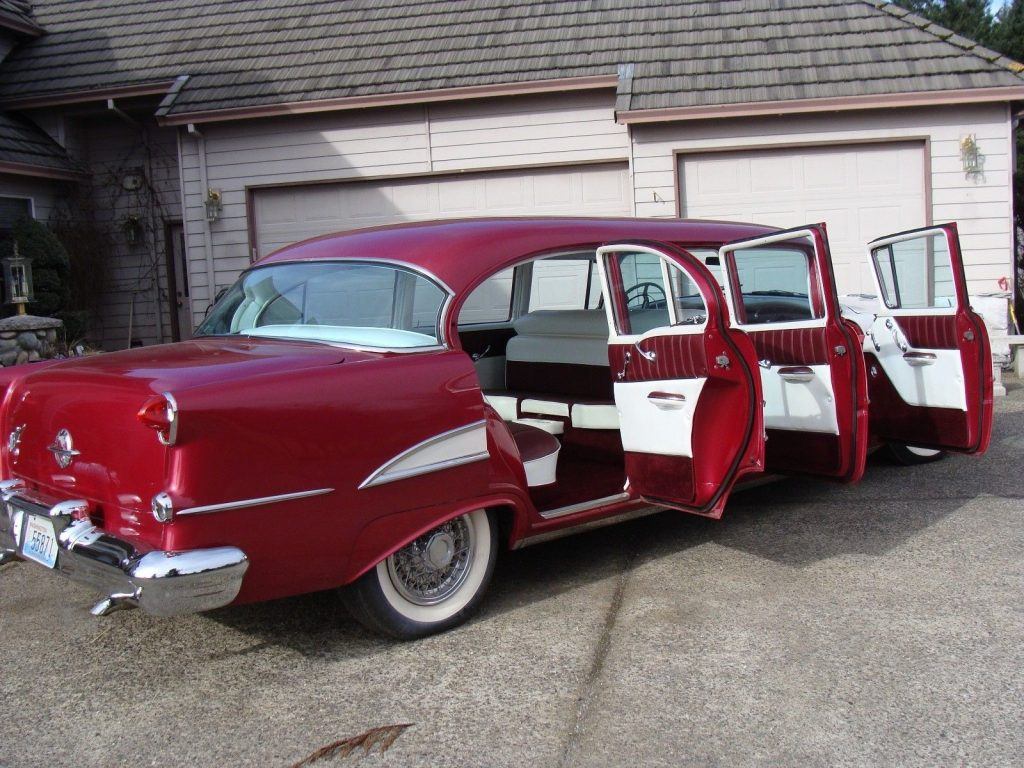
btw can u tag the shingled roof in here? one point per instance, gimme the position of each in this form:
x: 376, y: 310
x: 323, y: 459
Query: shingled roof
x: 25, y: 148
x: 677, y: 53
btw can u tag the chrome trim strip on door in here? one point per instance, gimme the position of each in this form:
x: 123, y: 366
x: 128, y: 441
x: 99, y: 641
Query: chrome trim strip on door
x: 243, y: 503
x: 390, y: 471
x: 552, y: 514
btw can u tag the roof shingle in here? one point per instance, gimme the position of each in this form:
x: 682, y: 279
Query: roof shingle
x: 685, y: 53
x: 22, y: 143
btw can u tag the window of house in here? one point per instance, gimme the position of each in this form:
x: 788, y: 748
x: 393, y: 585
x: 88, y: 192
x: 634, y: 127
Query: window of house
x: 12, y: 209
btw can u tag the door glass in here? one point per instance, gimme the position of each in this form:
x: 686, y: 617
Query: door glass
x: 916, y: 273
x: 490, y: 302
x: 645, y: 295
x: 774, y: 284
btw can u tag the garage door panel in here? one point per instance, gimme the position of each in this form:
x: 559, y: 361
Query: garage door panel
x: 860, y: 191
x: 288, y: 214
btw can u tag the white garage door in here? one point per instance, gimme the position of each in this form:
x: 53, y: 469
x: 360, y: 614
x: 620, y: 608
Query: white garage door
x: 288, y: 214
x: 860, y: 191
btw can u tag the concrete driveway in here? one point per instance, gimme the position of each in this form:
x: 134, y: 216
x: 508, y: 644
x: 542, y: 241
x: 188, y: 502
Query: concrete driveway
x: 814, y: 625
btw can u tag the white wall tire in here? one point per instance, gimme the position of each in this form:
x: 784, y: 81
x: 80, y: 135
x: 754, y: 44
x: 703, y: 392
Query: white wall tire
x: 910, y: 455
x: 432, y: 584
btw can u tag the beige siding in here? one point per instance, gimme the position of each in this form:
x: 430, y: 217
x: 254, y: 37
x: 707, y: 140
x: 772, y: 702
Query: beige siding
x: 502, y: 133
x: 980, y: 203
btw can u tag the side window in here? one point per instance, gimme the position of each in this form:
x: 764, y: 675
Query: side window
x: 490, y: 302
x: 916, y: 274
x: 773, y: 284
x: 565, y: 282
x: 645, y: 301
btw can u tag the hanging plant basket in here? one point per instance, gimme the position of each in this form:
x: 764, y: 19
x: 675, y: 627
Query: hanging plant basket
x: 131, y: 226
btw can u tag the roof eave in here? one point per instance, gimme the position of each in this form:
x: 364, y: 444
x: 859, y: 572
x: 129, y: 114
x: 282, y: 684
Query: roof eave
x: 593, y: 82
x: 84, y: 96
x: 43, y: 172
x: 21, y: 26
x: 835, y: 104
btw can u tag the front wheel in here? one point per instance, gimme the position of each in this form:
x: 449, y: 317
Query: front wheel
x: 909, y: 455
x: 432, y: 584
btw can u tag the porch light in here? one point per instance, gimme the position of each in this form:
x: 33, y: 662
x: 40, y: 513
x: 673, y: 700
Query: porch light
x: 969, y: 154
x: 17, y: 279
x: 212, y: 204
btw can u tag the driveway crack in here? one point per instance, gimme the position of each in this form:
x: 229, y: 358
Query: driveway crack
x: 590, y: 684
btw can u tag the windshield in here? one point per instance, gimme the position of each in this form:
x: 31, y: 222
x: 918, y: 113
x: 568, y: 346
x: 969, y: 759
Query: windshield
x: 358, y: 303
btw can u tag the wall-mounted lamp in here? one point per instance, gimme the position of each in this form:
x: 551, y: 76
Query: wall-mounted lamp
x: 970, y: 157
x: 131, y: 226
x: 213, y: 204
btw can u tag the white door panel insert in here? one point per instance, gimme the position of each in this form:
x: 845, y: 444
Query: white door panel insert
x: 933, y: 378
x: 798, y: 400
x: 657, y: 416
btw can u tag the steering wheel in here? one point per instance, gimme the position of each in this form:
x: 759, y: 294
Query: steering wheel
x: 641, y: 294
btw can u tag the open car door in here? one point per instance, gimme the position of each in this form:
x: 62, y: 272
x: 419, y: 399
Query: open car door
x: 781, y: 292
x: 686, y: 387
x: 928, y: 354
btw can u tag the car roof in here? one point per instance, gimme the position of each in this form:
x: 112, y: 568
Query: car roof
x: 462, y: 252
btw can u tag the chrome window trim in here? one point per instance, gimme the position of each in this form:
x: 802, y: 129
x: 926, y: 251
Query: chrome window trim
x: 244, y: 503
x: 382, y: 475
x: 442, y: 312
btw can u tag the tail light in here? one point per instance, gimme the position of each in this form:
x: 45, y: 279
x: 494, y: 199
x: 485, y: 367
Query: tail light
x: 160, y: 413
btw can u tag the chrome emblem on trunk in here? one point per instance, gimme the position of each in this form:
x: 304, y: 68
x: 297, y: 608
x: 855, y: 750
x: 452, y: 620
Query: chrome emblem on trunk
x: 63, y: 449
x: 14, y: 441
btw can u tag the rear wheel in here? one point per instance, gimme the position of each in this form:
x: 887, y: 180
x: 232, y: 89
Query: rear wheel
x: 431, y: 584
x: 909, y: 455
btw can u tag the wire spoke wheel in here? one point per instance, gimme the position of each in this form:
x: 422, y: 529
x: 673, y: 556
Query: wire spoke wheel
x: 433, y: 567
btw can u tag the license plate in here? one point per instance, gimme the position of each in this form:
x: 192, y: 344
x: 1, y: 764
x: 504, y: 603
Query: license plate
x: 40, y: 541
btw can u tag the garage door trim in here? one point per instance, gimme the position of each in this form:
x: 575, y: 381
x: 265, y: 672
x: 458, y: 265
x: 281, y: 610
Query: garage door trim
x: 678, y: 155
x: 252, y: 189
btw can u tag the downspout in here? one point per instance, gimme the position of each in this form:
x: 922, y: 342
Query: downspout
x: 623, y: 102
x: 211, y: 281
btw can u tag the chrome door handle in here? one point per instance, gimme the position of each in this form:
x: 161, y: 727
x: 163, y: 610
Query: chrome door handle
x: 917, y: 359
x: 796, y: 373
x: 667, y: 401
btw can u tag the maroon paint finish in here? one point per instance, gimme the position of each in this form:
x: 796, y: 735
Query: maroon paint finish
x: 267, y: 417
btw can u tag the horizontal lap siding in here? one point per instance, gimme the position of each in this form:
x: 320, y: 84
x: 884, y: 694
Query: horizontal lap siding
x: 979, y: 203
x: 388, y: 143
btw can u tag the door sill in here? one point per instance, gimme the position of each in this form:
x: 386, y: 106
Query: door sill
x: 583, y: 506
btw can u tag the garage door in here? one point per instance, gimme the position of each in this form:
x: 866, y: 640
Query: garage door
x: 287, y: 214
x: 860, y: 191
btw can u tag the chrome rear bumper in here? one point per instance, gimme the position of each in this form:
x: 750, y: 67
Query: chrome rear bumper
x: 161, y: 583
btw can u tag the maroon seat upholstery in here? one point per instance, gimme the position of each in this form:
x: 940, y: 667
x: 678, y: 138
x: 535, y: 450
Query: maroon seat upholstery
x: 539, y: 452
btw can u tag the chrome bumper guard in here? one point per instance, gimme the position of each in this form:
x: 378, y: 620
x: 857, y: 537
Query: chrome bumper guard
x: 158, y: 582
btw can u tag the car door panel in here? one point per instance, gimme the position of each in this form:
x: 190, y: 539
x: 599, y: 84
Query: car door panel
x: 928, y: 352
x: 687, y: 395
x: 813, y: 379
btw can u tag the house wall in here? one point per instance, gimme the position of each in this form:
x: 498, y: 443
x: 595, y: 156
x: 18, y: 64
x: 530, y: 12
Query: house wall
x: 440, y: 138
x: 137, y: 293
x: 979, y: 203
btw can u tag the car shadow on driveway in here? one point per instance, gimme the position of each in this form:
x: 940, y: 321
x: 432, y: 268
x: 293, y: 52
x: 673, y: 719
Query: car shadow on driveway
x: 796, y: 522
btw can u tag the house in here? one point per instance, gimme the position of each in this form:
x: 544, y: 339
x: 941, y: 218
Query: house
x: 212, y: 133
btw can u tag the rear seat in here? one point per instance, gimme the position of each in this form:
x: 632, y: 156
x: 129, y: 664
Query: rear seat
x: 556, y: 372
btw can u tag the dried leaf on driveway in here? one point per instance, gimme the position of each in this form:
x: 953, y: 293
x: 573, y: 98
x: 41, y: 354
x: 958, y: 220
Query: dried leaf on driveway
x: 376, y: 739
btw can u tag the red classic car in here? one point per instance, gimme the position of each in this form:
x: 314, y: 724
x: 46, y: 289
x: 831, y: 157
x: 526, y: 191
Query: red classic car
x: 383, y: 410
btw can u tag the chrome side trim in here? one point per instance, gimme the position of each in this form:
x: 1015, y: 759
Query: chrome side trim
x: 583, y: 506
x: 243, y: 503
x: 392, y: 470
x: 589, y: 525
